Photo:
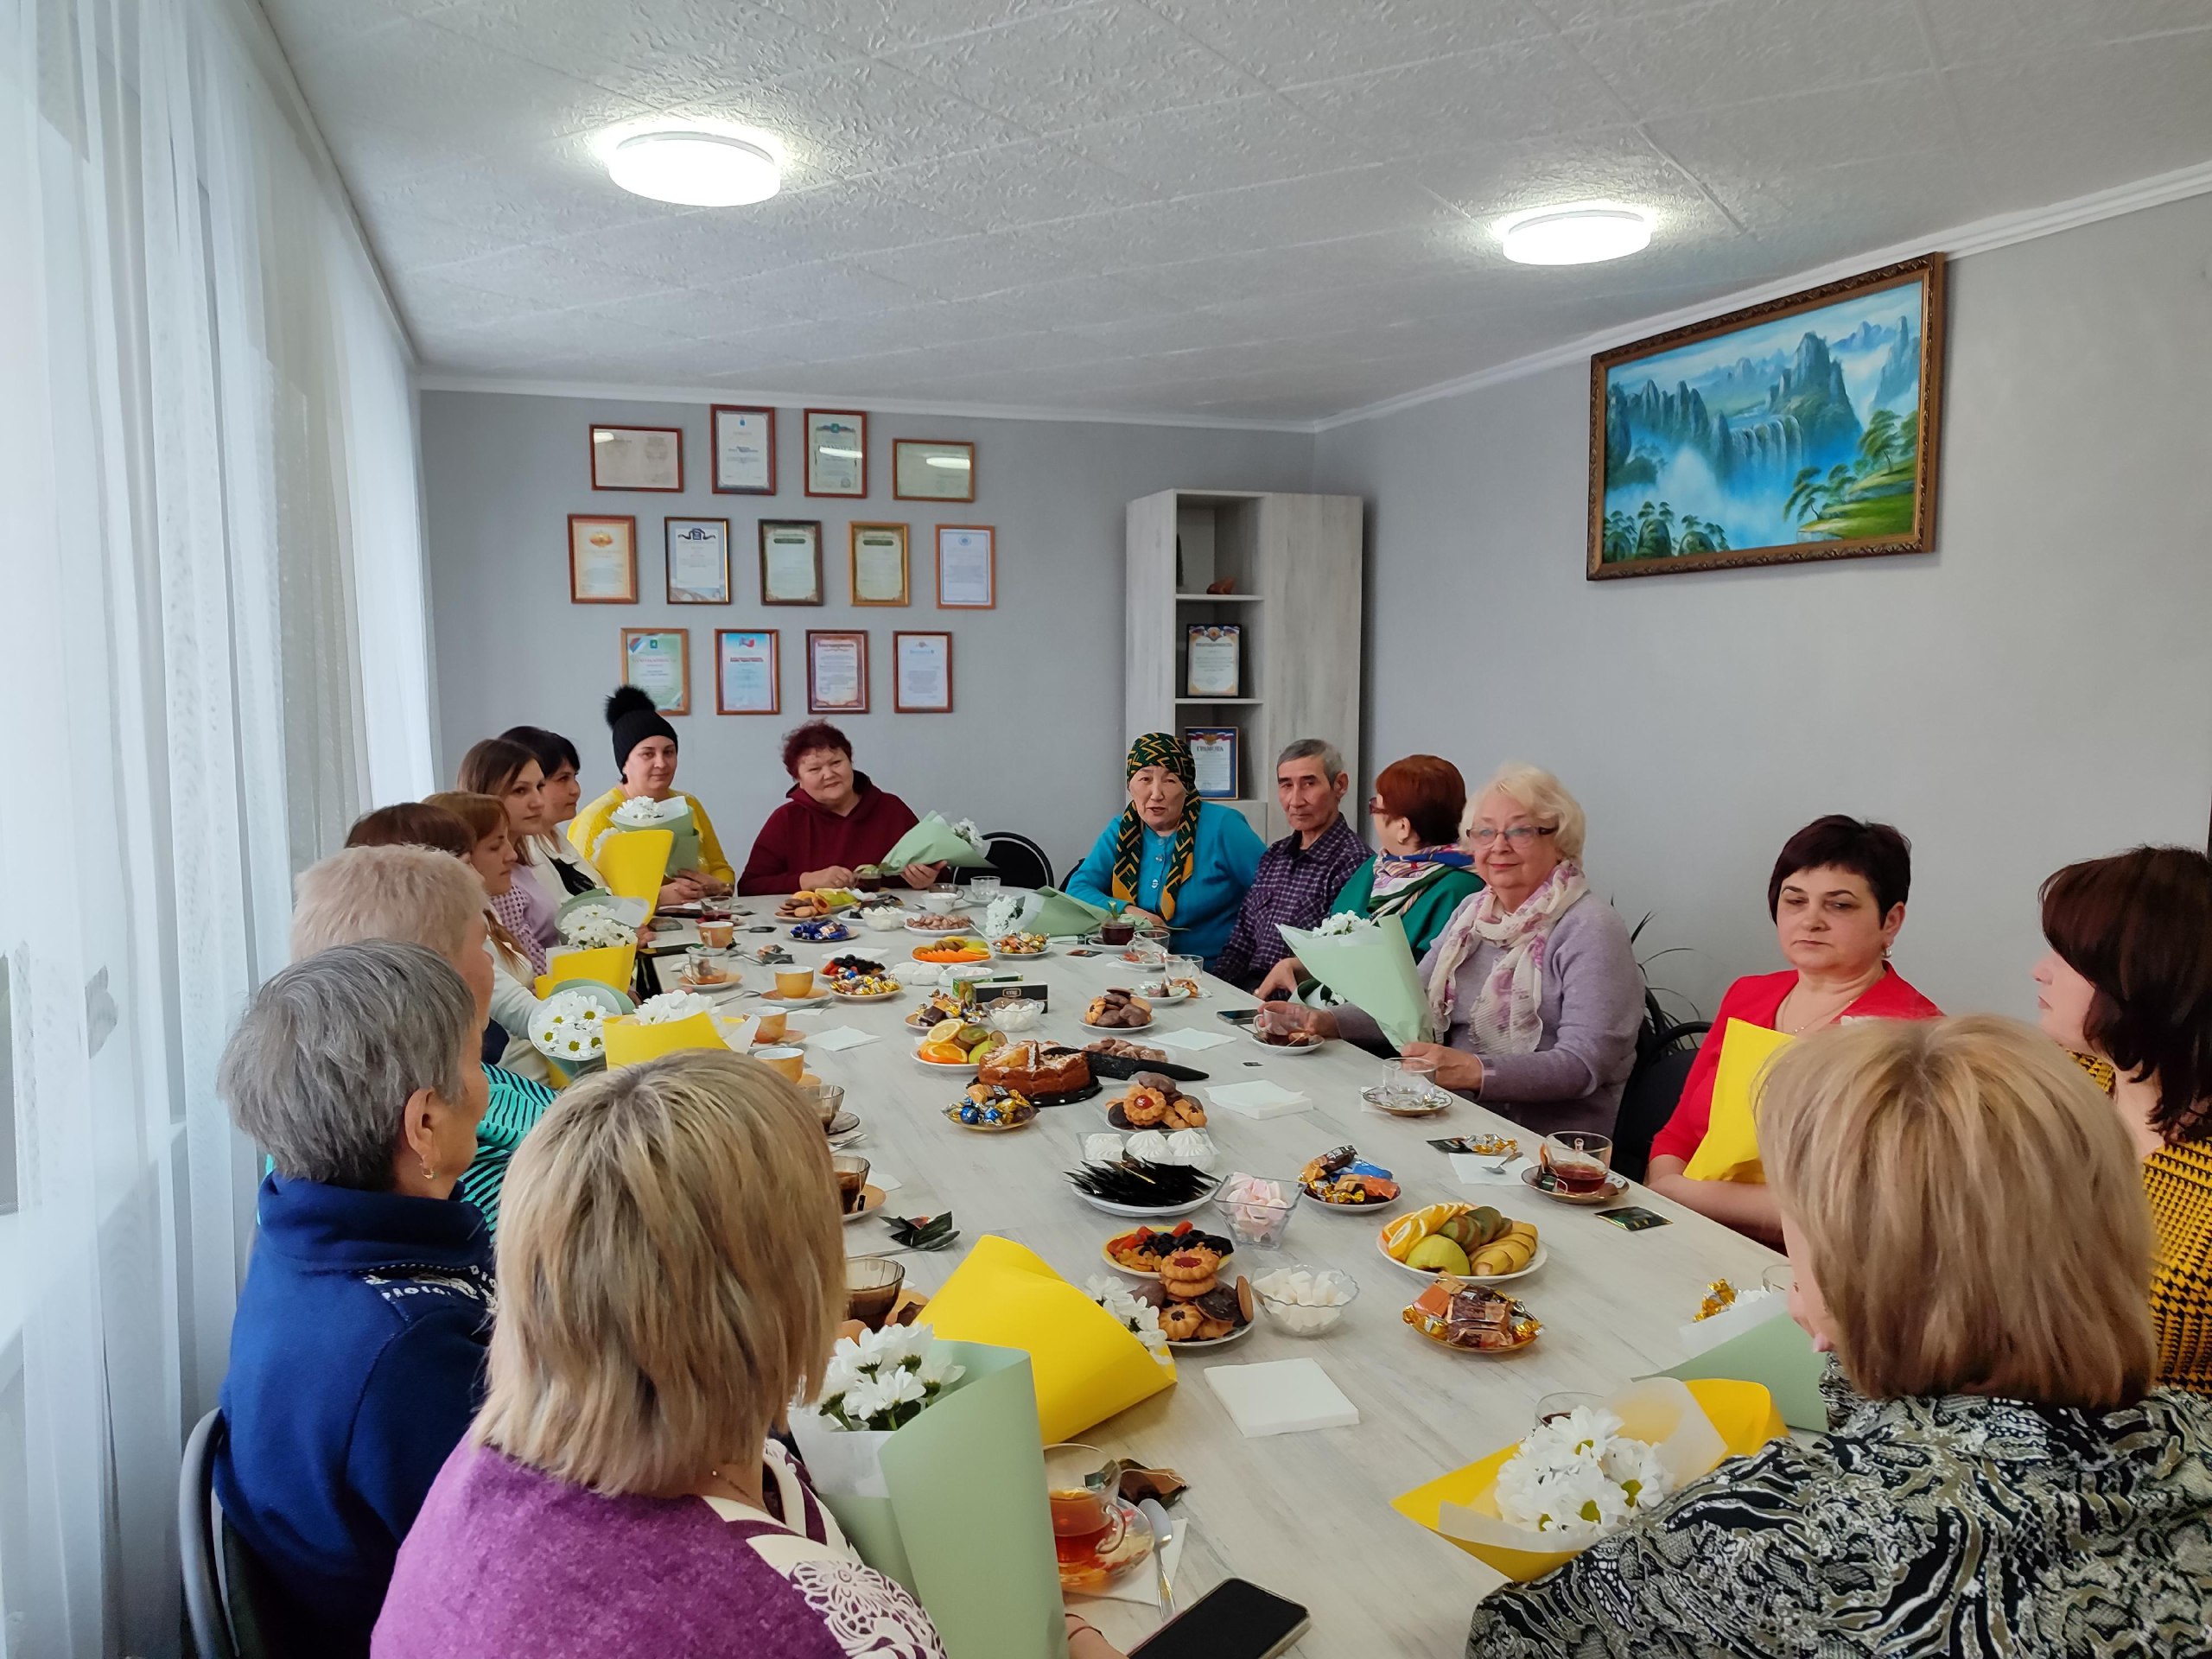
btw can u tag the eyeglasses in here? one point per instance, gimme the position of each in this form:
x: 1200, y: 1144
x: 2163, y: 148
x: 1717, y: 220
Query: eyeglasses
x: 1520, y: 835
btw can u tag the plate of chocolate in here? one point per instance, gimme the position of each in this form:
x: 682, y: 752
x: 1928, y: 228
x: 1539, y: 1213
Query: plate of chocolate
x: 1340, y: 1180
x: 1472, y: 1318
x: 1198, y: 1307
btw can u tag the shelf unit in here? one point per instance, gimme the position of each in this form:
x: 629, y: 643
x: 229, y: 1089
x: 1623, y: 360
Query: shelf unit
x: 1298, y: 565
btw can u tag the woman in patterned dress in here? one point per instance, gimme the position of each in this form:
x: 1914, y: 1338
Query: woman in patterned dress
x: 2000, y: 1477
x: 2128, y: 982
x: 674, y: 1274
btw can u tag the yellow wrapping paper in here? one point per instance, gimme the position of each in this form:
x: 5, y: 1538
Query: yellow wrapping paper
x: 610, y: 965
x: 1742, y: 1413
x: 629, y: 1042
x: 634, y: 863
x: 1730, y: 1150
x: 1086, y: 1367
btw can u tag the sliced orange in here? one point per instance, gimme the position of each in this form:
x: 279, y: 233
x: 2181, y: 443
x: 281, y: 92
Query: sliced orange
x: 941, y: 1054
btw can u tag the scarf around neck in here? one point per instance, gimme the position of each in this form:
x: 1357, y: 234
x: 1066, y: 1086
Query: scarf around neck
x: 1158, y: 749
x: 1398, y: 876
x: 1506, y: 1016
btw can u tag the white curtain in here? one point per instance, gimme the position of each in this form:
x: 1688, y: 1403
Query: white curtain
x: 212, y: 654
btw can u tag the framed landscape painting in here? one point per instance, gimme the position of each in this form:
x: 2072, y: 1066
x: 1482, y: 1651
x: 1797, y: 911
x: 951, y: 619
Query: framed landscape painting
x: 1802, y: 429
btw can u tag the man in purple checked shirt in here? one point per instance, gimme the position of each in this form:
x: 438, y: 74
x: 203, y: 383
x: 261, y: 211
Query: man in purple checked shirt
x: 1299, y: 875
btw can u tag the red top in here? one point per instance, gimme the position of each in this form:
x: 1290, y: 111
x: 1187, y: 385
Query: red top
x: 801, y: 835
x: 1756, y: 999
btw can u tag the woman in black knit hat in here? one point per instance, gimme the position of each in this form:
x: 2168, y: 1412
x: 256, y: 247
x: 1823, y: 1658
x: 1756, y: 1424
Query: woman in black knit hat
x: 644, y: 754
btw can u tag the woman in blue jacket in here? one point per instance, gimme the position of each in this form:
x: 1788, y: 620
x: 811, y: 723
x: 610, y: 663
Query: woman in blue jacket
x: 1170, y: 857
x: 357, y: 1353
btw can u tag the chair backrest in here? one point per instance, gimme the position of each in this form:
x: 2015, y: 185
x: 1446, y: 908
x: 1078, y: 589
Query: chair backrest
x: 1018, y: 861
x: 1651, y: 1094
x: 199, y: 1523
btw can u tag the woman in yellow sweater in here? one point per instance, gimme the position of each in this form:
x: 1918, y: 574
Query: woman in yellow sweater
x: 2128, y: 980
x: 644, y: 754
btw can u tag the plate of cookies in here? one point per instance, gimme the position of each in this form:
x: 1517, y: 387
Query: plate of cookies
x: 1139, y: 1253
x: 1154, y: 1101
x: 1116, y: 1010
x: 1199, y: 1308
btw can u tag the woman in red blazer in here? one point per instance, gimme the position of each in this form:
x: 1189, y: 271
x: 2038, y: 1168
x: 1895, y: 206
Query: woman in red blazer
x: 1837, y: 897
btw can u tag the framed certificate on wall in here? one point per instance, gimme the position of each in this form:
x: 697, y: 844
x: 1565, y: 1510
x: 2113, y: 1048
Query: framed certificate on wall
x: 603, y: 560
x: 791, y: 562
x: 698, y: 560
x: 928, y: 469
x: 748, y: 673
x: 658, y: 661
x: 879, y: 564
x: 1213, y: 751
x: 1213, y: 664
x: 921, y: 682
x: 836, y: 452
x: 836, y: 671
x: 744, y: 443
x: 967, y: 566
x: 637, y: 458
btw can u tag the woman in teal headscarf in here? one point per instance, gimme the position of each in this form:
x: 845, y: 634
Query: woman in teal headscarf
x: 1170, y: 856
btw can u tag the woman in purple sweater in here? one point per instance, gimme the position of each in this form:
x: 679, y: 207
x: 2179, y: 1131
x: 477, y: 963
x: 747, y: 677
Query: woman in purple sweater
x: 1533, y: 983
x: 672, y: 1271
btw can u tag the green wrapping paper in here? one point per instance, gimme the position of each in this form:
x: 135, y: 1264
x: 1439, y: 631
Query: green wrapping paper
x: 1372, y: 968
x: 934, y: 842
x: 1064, y: 915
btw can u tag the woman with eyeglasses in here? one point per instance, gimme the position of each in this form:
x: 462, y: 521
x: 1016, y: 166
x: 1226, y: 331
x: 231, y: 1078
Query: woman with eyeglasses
x: 1837, y: 897
x: 1533, y: 982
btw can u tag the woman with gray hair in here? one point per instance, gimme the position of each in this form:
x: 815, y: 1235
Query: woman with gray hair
x: 1533, y: 985
x: 357, y: 1352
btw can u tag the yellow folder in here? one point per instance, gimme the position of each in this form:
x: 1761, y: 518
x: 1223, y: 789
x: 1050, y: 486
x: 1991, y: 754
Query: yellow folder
x: 610, y: 965
x: 1086, y: 1366
x: 1730, y: 1150
x: 629, y: 1042
x: 635, y: 861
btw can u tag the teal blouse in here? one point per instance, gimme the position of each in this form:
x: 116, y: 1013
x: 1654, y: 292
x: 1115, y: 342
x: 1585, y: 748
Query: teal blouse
x: 1224, y: 859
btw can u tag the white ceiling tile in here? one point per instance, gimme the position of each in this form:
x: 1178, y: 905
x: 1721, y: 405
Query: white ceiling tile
x: 1176, y: 332
x: 305, y: 25
x: 520, y: 194
x: 1815, y: 217
x: 1340, y: 262
x: 1257, y: 139
x: 968, y: 267
x: 1780, y: 136
x: 1734, y: 50
x: 1606, y: 164
x: 1286, y: 42
x: 407, y: 242
x: 827, y: 290
x: 1522, y: 90
x: 879, y: 26
x: 1974, y: 31
x: 1072, y: 68
x: 2032, y: 154
x: 542, y: 278
x: 1019, y: 184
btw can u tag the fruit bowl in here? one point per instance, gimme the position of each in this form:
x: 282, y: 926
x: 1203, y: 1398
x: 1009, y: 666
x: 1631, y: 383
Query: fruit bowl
x: 1451, y: 1238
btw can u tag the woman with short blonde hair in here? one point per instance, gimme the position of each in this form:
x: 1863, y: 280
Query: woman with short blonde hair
x: 1535, y: 997
x: 1968, y: 1237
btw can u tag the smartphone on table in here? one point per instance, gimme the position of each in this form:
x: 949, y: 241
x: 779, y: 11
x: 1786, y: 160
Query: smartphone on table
x: 1237, y: 1016
x: 1235, y: 1619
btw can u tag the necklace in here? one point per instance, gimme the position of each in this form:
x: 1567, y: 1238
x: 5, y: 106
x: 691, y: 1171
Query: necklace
x: 1828, y: 1008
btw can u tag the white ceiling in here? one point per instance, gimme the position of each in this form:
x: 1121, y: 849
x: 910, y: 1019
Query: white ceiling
x: 1271, y: 209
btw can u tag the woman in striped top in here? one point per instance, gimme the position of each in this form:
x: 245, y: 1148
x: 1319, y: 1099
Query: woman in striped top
x: 2128, y: 980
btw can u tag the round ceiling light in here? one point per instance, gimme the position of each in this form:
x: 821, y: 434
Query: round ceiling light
x: 1579, y: 233
x: 695, y: 167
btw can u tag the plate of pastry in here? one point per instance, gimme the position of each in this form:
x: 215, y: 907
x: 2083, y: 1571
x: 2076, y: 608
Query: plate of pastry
x: 1049, y: 1074
x: 1138, y: 1252
x: 1154, y: 1102
x: 1116, y: 1010
x: 1292, y: 1044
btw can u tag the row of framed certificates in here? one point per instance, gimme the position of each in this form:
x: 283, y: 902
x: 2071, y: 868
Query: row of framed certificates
x: 603, y: 562
x: 743, y: 438
x: 748, y: 670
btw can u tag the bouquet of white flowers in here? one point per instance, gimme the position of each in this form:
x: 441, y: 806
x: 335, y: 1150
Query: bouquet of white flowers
x: 569, y: 1026
x: 672, y: 1006
x: 1139, y: 1319
x: 1344, y: 921
x: 643, y: 812
x: 932, y: 840
x: 594, y: 927
x: 1580, y: 1476
x: 883, y: 1379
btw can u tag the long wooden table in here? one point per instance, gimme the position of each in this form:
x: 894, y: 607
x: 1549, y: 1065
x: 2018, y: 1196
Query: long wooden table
x: 1306, y: 1514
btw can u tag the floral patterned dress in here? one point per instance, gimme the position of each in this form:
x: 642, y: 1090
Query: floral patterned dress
x: 1962, y: 1526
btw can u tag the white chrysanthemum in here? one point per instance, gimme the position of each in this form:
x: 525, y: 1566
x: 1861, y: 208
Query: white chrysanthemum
x: 642, y: 811
x: 567, y: 1027
x: 1578, y: 1478
x: 938, y: 1372
x: 1344, y: 921
x: 593, y: 927
x: 670, y: 1006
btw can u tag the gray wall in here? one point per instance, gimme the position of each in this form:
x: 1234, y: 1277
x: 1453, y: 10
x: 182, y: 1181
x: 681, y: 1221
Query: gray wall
x: 1035, y: 741
x: 2037, y: 691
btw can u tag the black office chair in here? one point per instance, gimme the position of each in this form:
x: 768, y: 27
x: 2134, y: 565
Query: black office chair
x: 225, y: 1589
x: 1016, y: 860
x: 1665, y: 1051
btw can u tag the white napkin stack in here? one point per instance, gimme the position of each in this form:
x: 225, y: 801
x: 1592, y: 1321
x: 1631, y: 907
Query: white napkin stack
x: 1480, y: 1169
x: 1258, y: 1099
x: 1189, y: 1042
x: 838, y: 1038
x: 1280, y: 1397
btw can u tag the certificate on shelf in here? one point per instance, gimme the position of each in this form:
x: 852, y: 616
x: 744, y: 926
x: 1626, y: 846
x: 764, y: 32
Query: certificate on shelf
x: 658, y: 661
x: 637, y: 458
x: 1213, y: 660
x: 836, y: 671
x: 603, y: 560
x: 698, y: 560
x: 1213, y: 750
x: 745, y: 450
x: 836, y: 452
x: 923, y: 681
x: 967, y: 566
x: 878, y: 556
x: 791, y: 562
x: 747, y: 678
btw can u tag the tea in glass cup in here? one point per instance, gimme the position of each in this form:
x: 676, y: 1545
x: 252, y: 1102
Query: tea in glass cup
x: 1081, y: 1488
x: 872, y: 1286
x: 851, y: 1171
x: 1581, y: 1164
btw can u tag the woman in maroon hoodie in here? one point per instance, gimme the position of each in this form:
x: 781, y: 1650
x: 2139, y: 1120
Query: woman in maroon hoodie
x: 833, y: 820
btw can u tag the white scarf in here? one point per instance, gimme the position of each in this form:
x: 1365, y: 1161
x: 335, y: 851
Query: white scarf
x: 1506, y: 1018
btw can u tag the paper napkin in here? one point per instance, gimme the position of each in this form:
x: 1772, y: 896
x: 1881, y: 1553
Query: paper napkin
x: 1258, y: 1099
x: 838, y: 1038
x: 1280, y: 1397
x: 1190, y: 1042
x: 1480, y: 1169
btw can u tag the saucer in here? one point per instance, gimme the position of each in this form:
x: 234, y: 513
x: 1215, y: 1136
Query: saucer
x: 1537, y: 1176
x: 1134, y: 1551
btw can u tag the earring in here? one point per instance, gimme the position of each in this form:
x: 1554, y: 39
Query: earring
x: 428, y: 1174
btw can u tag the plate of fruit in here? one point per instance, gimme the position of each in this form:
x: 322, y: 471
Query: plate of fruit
x: 1340, y: 1180
x: 1471, y: 1242
x: 953, y: 952
x: 989, y: 1109
x: 1140, y: 1252
x: 958, y: 1045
